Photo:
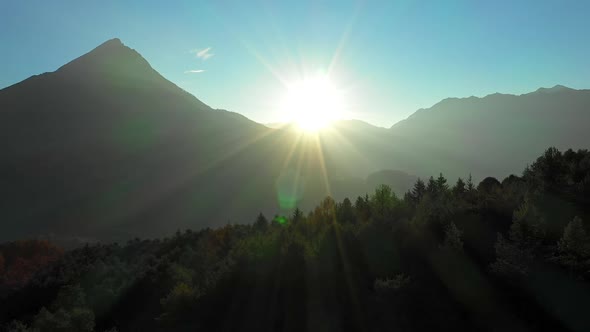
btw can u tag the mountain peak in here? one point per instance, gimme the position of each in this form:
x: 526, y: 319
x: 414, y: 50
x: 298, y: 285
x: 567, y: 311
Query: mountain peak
x: 111, y: 44
x: 113, y: 41
x: 111, y: 57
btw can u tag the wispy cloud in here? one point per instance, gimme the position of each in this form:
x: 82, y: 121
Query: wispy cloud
x: 194, y: 71
x: 203, y: 54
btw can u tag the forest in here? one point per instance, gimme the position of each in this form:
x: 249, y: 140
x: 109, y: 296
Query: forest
x: 510, y: 255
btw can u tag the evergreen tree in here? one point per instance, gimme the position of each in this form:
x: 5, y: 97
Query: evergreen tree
x: 345, y: 212
x: 261, y: 222
x: 418, y: 191
x: 382, y: 202
x: 362, y: 208
x: 441, y: 184
x: 459, y: 188
x: 431, y: 186
x: 297, y: 216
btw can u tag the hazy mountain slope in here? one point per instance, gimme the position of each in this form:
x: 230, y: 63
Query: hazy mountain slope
x: 495, y: 135
x: 102, y: 139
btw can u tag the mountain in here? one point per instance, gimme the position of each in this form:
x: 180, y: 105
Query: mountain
x: 494, y: 135
x: 107, y: 148
x: 104, y: 138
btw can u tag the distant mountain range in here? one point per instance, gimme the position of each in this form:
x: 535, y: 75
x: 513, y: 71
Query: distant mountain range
x: 107, y: 148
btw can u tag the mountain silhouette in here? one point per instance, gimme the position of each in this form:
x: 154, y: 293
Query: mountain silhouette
x: 496, y: 134
x: 99, y: 140
x: 107, y: 148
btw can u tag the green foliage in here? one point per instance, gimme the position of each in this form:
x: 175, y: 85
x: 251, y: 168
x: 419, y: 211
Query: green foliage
x: 417, y: 192
x: 528, y: 229
x: 575, y: 240
x: 383, y: 202
x: 475, y: 257
x: 258, y: 247
x: 459, y: 188
x: 68, y: 312
x: 297, y: 215
x: 573, y: 249
x: 179, y: 301
x: 527, y: 232
x: 362, y: 208
x: 345, y: 212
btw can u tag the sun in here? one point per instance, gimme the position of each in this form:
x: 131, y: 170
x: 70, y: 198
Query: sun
x: 313, y: 103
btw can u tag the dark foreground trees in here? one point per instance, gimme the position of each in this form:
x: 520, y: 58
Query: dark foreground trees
x: 500, y: 256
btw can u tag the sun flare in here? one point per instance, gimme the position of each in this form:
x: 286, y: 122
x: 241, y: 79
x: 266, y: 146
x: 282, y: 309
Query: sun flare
x: 313, y: 103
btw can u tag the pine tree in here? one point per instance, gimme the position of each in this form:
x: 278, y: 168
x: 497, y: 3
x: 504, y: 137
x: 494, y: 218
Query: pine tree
x: 418, y: 191
x: 261, y: 222
x: 459, y: 188
x: 345, y: 212
x: 362, y: 209
x: 470, y: 186
x: 382, y: 201
x: 297, y: 215
x: 441, y: 184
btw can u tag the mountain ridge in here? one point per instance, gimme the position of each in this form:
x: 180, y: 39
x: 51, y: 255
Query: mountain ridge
x: 449, y: 100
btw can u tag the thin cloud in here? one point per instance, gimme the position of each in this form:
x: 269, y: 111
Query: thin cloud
x: 203, y: 54
x: 194, y: 71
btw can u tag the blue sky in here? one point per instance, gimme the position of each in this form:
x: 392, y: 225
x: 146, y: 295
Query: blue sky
x: 390, y: 57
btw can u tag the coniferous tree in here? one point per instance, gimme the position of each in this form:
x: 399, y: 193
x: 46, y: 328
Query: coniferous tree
x: 345, y: 212
x: 441, y: 184
x: 297, y: 215
x: 382, y: 202
x: 362, y: 208
x: 261, y: 222
x: 459, y: 188
x: 418, y: 191
x: 431, y: 187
